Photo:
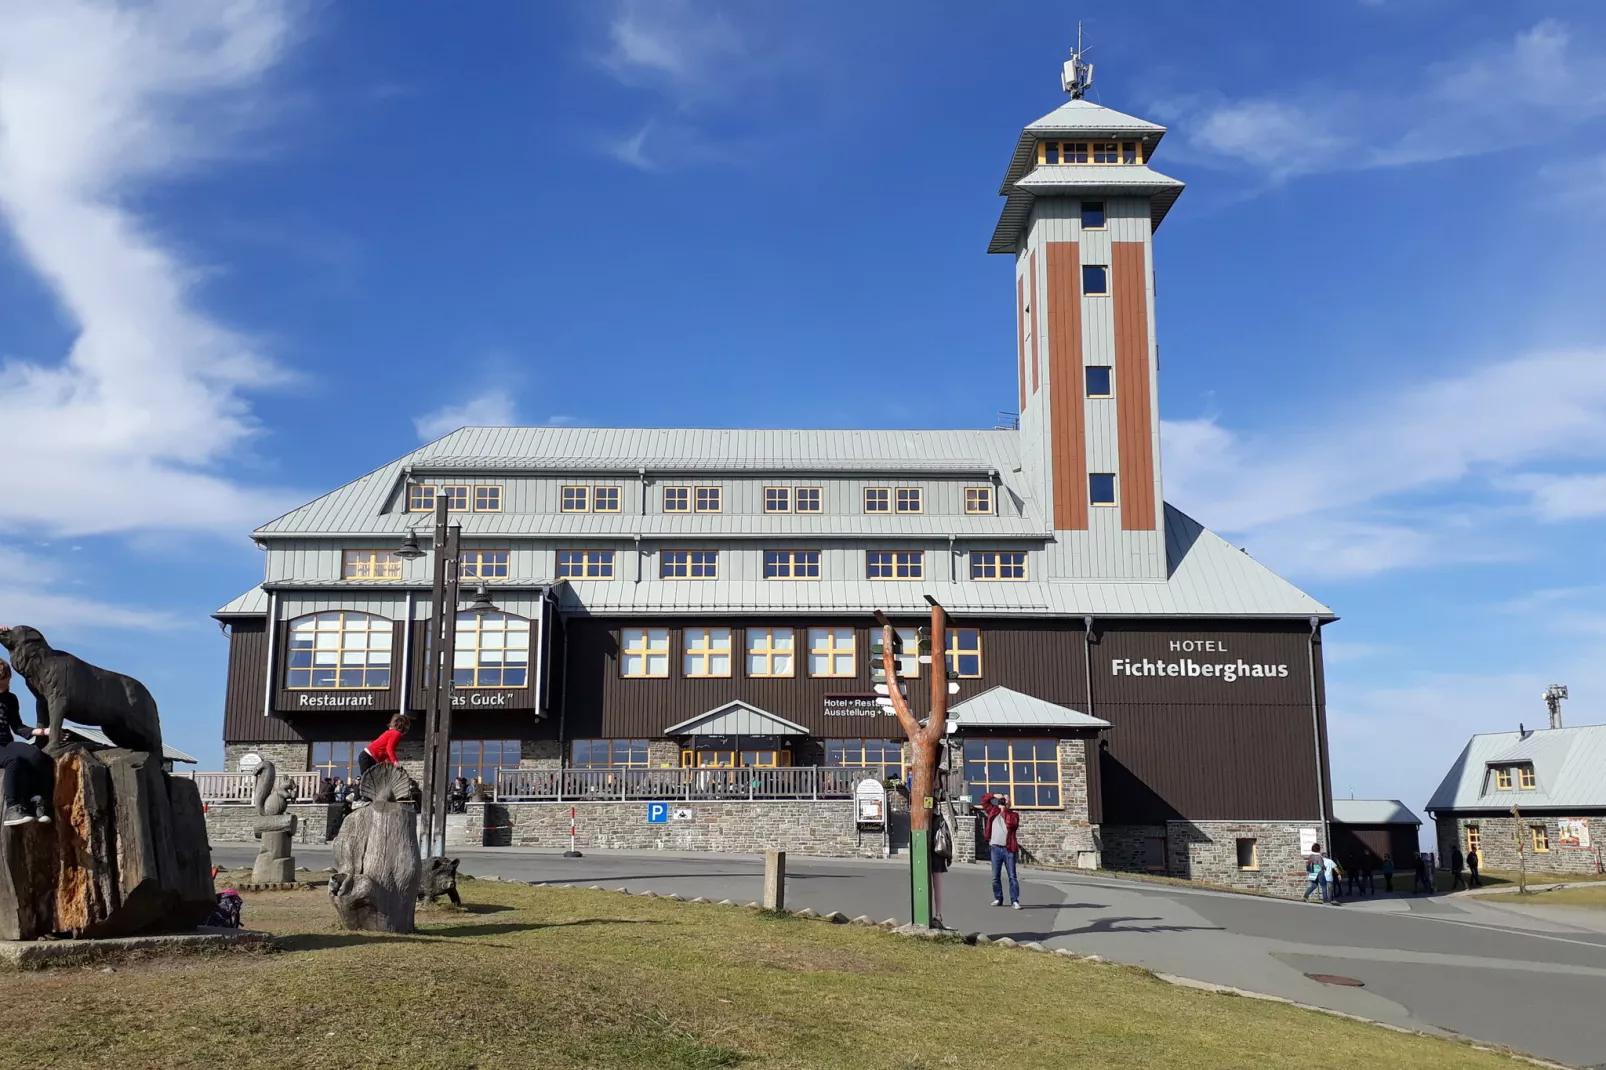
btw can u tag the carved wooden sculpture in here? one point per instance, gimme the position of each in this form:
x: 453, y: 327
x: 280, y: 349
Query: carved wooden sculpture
x: 440, y: 878
x: 275, y: 863
x: 376, y: 855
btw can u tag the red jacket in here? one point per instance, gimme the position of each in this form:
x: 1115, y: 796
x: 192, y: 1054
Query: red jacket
x: 383, y: 749
x: 1011, y: 823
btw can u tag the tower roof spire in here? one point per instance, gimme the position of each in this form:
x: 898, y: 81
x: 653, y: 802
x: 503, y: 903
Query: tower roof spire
x: 1077, y: 75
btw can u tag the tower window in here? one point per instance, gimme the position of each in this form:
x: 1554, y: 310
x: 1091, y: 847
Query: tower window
x: 1061, y: 152
x: 1106, y: 152
x: 1092, y: 215
x: 1095, y: 280
x: 1099, y: 382
x: 1101, y: 488
x: 1129, y: 152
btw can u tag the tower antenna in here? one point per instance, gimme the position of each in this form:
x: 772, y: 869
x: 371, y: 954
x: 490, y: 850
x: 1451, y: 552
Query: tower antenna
x: 1077, y: 75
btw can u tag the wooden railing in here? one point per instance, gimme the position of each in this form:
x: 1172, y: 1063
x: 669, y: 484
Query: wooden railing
x: 600, y: 785
x: 238, y: 787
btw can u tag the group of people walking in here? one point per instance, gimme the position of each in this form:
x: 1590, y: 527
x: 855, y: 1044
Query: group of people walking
x: 1325, y: 876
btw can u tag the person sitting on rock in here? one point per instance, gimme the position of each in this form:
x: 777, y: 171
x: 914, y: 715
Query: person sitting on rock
x: 27, y: 773
x: 383, y: 749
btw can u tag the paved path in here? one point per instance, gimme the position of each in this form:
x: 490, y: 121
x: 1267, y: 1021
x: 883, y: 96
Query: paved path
x: 1455, y: 964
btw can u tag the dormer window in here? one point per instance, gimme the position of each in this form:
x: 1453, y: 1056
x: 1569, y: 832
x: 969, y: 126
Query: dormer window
x: 1105, y: 152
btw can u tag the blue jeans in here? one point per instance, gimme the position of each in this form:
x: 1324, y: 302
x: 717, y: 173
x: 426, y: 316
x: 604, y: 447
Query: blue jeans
x: 1319, y: 882
x: 1004, y: 859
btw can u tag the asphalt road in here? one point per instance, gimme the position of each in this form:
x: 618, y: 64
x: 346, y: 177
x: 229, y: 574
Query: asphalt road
x: 1535, y: 981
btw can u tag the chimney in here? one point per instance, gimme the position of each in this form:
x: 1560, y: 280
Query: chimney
x: 1553, y: 696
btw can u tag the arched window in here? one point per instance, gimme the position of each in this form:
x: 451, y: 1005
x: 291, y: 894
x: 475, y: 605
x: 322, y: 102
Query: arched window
x: 493, y: 650
x: 339, y: 649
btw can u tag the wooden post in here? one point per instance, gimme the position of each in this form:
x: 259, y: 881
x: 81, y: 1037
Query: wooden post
x: 774, y: 880
x: 438, y: 657
x: 443, y: 723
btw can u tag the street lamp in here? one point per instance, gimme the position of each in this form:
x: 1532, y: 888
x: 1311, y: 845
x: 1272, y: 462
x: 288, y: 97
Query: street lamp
x: 441, y: 643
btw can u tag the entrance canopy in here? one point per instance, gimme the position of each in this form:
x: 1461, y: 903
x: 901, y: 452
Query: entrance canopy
x: 736, y: 719
x: 1001, y: 707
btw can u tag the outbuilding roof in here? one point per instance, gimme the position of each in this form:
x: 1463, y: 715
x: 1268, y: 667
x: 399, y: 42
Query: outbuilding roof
x: 1569, y: 767
x: 736, y: 718
x: 1003, y: 707
x: 1373, y: 812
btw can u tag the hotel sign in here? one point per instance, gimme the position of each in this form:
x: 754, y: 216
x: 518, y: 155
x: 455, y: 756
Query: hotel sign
x: 855, y: 704
x: 1228, y: 670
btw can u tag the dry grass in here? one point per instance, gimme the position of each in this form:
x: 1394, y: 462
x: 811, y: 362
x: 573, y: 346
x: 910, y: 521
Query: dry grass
x: 1560, y: 897
x: 560, y: 978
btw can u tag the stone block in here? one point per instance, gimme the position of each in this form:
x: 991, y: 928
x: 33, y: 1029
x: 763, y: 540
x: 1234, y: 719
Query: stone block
x: 27, y: 881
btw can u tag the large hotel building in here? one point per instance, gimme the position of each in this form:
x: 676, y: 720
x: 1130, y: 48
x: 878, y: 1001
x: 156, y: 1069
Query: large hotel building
x: 698, y: 602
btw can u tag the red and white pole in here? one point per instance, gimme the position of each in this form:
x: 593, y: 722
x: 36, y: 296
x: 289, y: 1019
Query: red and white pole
x: 572, y: 852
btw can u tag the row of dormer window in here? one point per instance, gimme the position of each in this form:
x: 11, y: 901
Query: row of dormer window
x: 586, y: 498
x: 1107, y: 152
x: 692, y: 565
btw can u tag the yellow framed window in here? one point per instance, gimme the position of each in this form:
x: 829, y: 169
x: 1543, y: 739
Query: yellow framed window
x: 1540, y: 835
x: 689, y: 564
x: 483, y: 565
x: 370, y: 565
x: 770, y: 652
x: 1502, y: 779
x: 808, y: 499
x: 791, y: 564
x: 884, y: 757
x: 644, y: 652
x: 895, y: 564
x: 709, y: 499
x: 1053, y: 152
x: 585, y: 564
x: 777, y: 499
x: 576, y: 499
x: 491, y: 650
x: 998, y: 564
x: 1525, y: 778
x: 605, y: 500
x: 340, y: 650
x: 964, y: 652
x: 1474, y: 838
x: 1106, y: 152
x: 487, y: 499
x: 457, y: 498
x: 1027, y: 770
x: 608, y: 754
x: 677, y: 499
x: 911, y: 500
x: 1131, y: 152
x: 420, y: 498
x: 706, y: 652
x: 978, y: 500
x: 831, y: 652
x: 877, y: 500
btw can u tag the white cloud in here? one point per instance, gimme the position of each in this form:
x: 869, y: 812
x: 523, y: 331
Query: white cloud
x: 1341, y: 495
x: 1526, y: 91
x: 30, y: 590
x: 494, y: 408
x: 679, y: 48
x: 96, y: 100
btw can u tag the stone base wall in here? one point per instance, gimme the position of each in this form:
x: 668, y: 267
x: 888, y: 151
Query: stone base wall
x: 1208, y: 851
x: 540, y: 754
x: 1498, y: 834
x: 1126, y: 848
x: 286, y: 757
x: 233, y: 822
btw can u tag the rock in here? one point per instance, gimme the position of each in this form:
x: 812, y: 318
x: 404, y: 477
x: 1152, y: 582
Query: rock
x: 862, y: 919
x: 836, y: 917
x: 1004, y: 941
x: 376, y: 854
x: 889, y: 924
x: 1033, y: 945
x: 726, y: 903
x: 699, y: 899
x: 596, y: 888
x: 1065, y: 952
x: 1095, y: 958
x: 673, y: 896
x: 982, y: 939
x: 806, y: 912
x: 751, y: 906
x: 650, y: 894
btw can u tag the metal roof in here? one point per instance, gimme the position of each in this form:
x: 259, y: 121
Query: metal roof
x: 1077, y: 117
x: 1569, y: 770
x: 1129, y: 180
x: 95, y: 735
x: 394, y: 525
x: 736, y: 718
x: 253, y: 603
x: 1373, y: 812
x: 1002, y: 707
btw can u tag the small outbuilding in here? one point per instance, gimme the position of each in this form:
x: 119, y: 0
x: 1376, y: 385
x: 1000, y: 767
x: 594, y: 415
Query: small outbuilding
x: 1364, y: 830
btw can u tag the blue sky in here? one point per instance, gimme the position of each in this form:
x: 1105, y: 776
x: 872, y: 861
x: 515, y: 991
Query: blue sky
x: 252, y: 249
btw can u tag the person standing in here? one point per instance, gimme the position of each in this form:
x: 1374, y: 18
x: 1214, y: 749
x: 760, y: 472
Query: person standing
x: 1335, y: 879
x: 1473, y: 861
x: 1388, y: 872
x: 1315, y: 873
x: 27, y: 773
x: 383, y: 749
x: 1002, y: 823
x: 1422, y: 881
x: 1368, y: 861
x: 1455, y: 869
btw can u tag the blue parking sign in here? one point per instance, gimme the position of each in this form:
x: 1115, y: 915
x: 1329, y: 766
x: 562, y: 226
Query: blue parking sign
x: 658, y: 813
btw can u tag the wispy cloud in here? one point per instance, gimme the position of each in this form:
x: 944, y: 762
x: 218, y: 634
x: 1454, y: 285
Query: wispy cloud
x: 31, y: 589
x: 127, y: 429
x: 494, y: 408
x: 684, y: 50
x: 1524, y: 91
x: 1403, y: 479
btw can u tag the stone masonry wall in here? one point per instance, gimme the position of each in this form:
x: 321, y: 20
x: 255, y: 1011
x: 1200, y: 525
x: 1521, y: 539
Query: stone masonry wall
x: 286, y: 757
x: 1062, y: 837
x: 1208, y: 851
x: 232, y: 822
x: 1126, y: 847
x: 1497, y: 836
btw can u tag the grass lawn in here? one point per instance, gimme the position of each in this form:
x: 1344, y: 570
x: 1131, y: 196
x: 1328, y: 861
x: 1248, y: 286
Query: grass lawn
x: 546, y: 977
x: 1561, y: 897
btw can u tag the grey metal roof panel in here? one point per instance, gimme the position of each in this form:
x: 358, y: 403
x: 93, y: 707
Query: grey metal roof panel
x: 253, y: 603
x: 95, y: 735
x: 1208, y: 571
x: 1132, y: 180
x: 1078, y: 117
x: 690, y: 526
x: 1002, y: 707
x: 1569, y: 770
x: 1373, y: 812
x: 736, y: 718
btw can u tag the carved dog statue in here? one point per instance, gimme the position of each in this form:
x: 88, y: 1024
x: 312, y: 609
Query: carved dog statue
x: 71, y: 689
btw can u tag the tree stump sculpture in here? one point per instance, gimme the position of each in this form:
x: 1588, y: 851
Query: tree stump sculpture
x: 276, y: 863
x: 127, y: 850
x: 376, y: 855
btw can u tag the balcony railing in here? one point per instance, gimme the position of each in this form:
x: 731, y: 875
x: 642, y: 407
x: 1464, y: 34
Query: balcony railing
x: 602, y: 785
x: 239, y: 787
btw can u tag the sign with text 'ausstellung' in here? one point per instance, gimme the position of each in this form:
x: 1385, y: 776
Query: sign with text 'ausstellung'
x: 854, y: 704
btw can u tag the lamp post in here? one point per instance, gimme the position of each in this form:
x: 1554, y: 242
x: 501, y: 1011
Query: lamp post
x: 440, y: 645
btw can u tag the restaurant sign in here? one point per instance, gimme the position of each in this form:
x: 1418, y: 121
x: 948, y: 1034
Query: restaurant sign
x: 855, y: 704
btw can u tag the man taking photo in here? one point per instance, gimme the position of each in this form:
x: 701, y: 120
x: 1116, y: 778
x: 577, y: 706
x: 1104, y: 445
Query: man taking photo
x: 1002, y: 821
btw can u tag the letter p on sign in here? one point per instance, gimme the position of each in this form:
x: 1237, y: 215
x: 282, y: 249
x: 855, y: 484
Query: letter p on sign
x: 658, y: 813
